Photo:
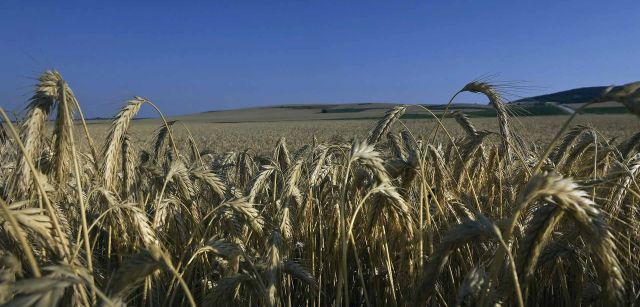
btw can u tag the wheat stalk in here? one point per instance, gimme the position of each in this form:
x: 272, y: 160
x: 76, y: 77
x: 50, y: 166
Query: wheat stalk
x: 32, y: 128
x: 497, y: 103
x: 112, y: 148
x: 385, y: 124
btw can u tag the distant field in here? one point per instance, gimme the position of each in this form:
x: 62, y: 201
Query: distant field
x: 262, y: 136
x: 377, y: 110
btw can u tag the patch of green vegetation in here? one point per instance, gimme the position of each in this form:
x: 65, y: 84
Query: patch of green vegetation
x: 416, y: 116
x: 342, y: 110
x: 309, y: 107
x: 545, y: 110
x: 522, y: 111
x: 456, y: 107
x: 607, y: 110
x: 535, y: 110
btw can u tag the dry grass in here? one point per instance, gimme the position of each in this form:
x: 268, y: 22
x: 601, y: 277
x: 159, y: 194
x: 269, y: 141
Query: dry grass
x: 512, y: 211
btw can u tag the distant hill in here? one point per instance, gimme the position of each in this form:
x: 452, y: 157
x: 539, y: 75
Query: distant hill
x: 345, y: 111
x: 573, y: 99
x: 530, y: 106
x: 577, y: 95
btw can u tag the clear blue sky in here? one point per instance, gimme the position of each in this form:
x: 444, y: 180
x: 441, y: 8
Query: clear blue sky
x: 197, y: 56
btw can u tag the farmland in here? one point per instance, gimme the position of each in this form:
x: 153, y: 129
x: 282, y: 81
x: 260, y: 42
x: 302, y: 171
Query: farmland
x: 396, y: 210
x: 262, y: 136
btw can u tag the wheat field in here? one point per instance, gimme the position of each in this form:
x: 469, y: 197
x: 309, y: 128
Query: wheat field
x: 446, y: 212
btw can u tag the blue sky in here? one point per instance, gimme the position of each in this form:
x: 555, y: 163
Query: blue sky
x: 196, y: 56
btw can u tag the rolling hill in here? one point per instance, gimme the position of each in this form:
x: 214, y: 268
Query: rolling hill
x: 530, y: 106
x: 573, y: 96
